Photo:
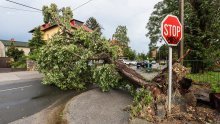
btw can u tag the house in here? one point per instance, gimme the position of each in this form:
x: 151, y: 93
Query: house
x: 5, y: 44
x: 154, y: 53
x: 49, y: 30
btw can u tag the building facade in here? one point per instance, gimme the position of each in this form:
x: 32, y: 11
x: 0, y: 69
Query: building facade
x: 5, y: 44
x: 49, y: 30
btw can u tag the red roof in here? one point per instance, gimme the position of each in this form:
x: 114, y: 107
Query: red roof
x: 74, y: 23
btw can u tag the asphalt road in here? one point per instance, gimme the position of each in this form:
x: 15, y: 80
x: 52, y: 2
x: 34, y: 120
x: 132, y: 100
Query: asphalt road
x: 19, y: 100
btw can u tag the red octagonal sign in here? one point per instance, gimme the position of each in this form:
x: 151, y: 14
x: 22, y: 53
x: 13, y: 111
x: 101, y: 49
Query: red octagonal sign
x: 171, y: 30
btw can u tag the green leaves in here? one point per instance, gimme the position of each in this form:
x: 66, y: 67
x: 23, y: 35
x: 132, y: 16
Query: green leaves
x: 94, y: 25
x: 64, y: 59
x: 121, y: 36
x: 106, y: 77
x: 35, y: 43
x: 202, y: 27
x: 14, y: 52
x: 142, y: 101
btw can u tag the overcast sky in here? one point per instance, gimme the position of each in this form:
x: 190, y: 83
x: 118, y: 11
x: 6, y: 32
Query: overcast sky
x: 109, y: 13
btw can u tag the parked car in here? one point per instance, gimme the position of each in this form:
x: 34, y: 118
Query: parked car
x: 153, y: 62
x: 125, y: 61
x: 133, y: 62
x: 140, y: 64
x: 128, y: 62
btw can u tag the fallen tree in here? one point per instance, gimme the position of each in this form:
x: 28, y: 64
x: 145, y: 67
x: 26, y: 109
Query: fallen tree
x: 66, y: 62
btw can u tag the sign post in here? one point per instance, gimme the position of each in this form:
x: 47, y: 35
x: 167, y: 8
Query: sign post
x: 171, y: 30
x: 170, y: 79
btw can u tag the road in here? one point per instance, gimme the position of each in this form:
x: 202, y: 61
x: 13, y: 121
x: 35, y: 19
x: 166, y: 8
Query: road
x: 27, y: 97
x: 149, y: 75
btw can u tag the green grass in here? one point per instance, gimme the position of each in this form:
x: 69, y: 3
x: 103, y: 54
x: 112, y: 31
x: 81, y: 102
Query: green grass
x: 206, y: 77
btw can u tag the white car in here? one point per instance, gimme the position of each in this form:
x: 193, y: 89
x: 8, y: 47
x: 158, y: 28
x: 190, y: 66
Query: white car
x: 133, y: 62
x: 153, y: 62
x: 125, y: 61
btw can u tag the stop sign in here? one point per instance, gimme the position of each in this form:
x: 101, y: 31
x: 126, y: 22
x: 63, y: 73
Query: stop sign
x: 171, y: 30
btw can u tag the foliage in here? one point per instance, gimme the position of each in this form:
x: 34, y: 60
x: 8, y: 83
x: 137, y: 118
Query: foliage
x: 94, y: 25
x: 64, y: 64
x: 47, y: 13
x: 162, y: 54
x: 215, y: 87
x: 142, y: 99
x: 142, y: 57
x: 14, y: 52
x: 106, y: 77
x: 121, y: 36
x: 131, y: 54
x: 21, y: 63
x: 201, y: 28
x: 64, y: 60
x: 207, y: 77
x: 35, y: 43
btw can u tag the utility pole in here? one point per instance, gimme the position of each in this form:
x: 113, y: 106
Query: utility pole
x: 181, y: 45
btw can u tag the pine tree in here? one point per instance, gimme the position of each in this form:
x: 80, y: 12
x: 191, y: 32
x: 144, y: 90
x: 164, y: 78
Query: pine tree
x: 37, y: 41
x: 94, y: 25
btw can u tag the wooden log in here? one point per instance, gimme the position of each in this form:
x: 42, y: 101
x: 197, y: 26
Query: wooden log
x: 136, y: 78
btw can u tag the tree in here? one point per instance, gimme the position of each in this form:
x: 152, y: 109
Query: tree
x: 94, y: 25
x: 14, y: 52
x: 122, y: 39
x: 121, y: 36
x: 131, y: 54
x: 201, y: 30
x: 47, y: 13
x: 142, y: 56
x: 162, y: 54
x: 64, y: 60
x: 37, y: 41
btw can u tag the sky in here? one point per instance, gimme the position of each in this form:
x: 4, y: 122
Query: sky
x: 134, y: 14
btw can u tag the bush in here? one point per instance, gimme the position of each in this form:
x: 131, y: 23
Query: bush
x: 14, y: 53
x: 21, y: 63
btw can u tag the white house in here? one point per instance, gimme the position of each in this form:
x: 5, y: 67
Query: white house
x: 4, y: 44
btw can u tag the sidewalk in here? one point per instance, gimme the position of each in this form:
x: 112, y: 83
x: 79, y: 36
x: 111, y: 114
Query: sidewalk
x: 96, y: 107
x: 22, y: 75
x: 90, y: 107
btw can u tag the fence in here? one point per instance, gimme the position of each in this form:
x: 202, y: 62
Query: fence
x: 5, y: 62
x: 206, y: 71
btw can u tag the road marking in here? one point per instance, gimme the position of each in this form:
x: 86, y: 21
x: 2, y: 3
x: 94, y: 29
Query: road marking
x: 16, y: 88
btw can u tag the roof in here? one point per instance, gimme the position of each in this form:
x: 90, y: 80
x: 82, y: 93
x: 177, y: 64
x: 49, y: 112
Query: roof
x: 16, y: 43
x: 74, y: 23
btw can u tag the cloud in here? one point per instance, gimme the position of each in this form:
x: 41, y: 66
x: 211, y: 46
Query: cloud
x: 109, y: 13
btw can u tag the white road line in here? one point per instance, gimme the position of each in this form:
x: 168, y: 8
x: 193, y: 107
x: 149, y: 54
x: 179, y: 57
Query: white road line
x: 16, y: 88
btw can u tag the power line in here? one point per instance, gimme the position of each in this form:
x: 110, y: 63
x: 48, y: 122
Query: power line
x: 18, y: 9
x: 82, y: 4
x: 24, y: 5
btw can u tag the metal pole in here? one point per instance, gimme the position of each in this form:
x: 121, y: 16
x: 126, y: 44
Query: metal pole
x: 182, y: 22
x: 170, y: 80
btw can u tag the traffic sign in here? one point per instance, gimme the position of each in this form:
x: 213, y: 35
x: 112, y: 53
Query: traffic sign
x: 171, y: 30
